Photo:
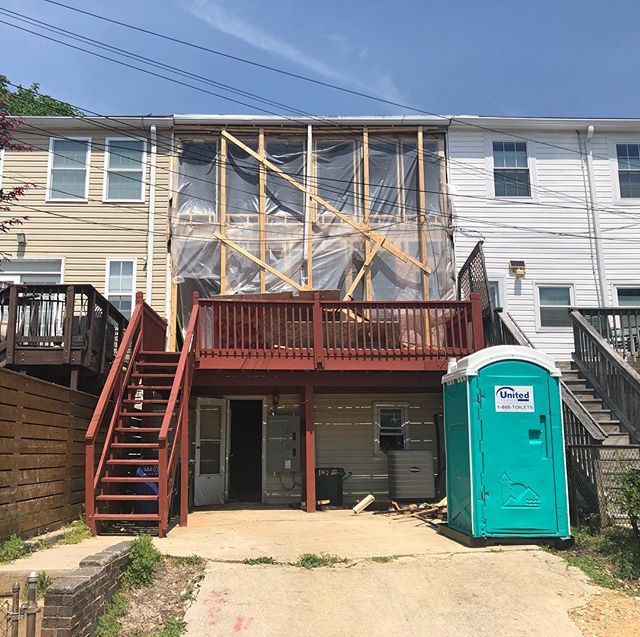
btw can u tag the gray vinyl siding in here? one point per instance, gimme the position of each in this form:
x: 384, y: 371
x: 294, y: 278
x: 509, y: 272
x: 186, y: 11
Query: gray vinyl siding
x: 558, y: 205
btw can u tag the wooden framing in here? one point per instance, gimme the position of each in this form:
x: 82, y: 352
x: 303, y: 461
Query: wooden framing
x: 366, y: 212
x: 310, y: 216
x: 371, y: 234
x: 223, y: 214
x: 364, y: 271
x: 262, y: 210
x: 309, y: 450
x: 422, y: 214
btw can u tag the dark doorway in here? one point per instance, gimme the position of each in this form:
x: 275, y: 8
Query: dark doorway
x: 245, y: 451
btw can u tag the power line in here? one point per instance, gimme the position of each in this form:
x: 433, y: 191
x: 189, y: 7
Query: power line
x: 306, y: 78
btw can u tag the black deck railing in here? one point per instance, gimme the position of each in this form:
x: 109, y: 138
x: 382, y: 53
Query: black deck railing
x: 58, y: 325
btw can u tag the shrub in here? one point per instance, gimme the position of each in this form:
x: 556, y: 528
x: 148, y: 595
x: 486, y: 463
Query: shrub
x: 13, y: 549
x: 144, y: 557
x: 628, y: 496
x: 109, y: 622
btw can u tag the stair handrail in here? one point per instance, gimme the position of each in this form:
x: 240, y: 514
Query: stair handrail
x: 181, y: 386
x: 593, y: 430
x: 609, y: 374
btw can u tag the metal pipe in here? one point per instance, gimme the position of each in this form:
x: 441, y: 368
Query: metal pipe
x: 32, y: 604
x: 151, y: 217
x: 595, y: 221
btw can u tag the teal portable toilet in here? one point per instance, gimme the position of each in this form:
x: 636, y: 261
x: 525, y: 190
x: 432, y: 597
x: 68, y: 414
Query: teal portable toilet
x: 504, y: 442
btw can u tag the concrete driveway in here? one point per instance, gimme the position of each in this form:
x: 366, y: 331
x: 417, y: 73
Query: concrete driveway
x: 436, y: 586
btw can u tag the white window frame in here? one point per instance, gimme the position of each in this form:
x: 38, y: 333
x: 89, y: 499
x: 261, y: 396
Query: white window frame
x: 107, y: 170
x: 109, y: 260
x: 27, y: 260
x: 621, y: 286
x: 377, y: 406
x: 618, y: 200
x: 537, y: 306
x: 48, y: 197
x: 501, y: 287
x: 490, y: 167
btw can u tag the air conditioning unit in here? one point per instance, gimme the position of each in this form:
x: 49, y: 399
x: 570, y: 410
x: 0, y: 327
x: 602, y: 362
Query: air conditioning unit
x: 411, y: 475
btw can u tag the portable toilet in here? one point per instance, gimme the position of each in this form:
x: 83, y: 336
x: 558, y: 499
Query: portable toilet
x: 504, y: 442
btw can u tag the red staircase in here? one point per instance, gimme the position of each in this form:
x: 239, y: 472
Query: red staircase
x: 138, y: 435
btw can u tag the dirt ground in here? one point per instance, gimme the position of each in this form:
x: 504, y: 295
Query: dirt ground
x: 612, y: 614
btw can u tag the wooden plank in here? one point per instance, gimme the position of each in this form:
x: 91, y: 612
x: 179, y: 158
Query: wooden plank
x: 422, y: 215
x: 223, y: 214
x: 371, y: 234
x: 309, y: 204
x: 363, y: 270
x: 262, y: 209
x: 366, y: 214
x: 262, y: 264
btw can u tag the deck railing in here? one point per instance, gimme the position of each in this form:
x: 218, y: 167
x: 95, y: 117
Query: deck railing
x: 618, y: 326
x: 57, y: 325
x: 317, y: 334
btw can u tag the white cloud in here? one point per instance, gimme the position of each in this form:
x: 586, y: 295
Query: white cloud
x: 217, y: 17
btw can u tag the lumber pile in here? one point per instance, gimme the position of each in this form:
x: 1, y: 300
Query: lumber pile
x: 433, y: 512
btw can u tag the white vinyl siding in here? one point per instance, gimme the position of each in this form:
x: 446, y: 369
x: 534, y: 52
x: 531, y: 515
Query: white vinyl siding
x: 69, y: 160
x: 124, y: 169
x: 120, y: 287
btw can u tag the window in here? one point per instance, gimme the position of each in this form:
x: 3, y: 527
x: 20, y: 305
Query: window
x: 391, y: 427
x: 124, y: 169
x: 68, y: 169
x: 554, y: 302
x: 31, y: 271
x: 121, y: 284
x: 629, y: 170
x: 496, y: 293
x: 511, y: 169
x: 628, y: 296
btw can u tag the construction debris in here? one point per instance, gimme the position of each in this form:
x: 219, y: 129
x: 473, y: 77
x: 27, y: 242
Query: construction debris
x: 363, y: 504
x: 426, y: 510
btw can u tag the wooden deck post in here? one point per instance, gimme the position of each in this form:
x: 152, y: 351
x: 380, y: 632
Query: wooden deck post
x: 310, y: 450
x: 12, y: 325
x: 476, y: 321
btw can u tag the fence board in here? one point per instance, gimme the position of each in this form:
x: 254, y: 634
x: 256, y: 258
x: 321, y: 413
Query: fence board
x: 42, y: 428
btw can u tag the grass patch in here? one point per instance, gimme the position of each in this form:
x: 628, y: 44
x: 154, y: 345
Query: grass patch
x: 172, y: 628
x: 76, y: 532
x: 384, y: 559
x: 12, y: 549
x: 144, y: 557
x: 263, y: 559
x: 109, y: 621
x: 313, y: 560
x: 192, y: 560
x: 610, y: 558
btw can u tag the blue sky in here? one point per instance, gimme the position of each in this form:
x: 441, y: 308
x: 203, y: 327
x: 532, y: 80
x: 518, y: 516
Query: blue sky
x: 550, y: 58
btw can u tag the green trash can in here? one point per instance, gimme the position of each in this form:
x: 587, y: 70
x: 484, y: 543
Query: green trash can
x: 504, y: 441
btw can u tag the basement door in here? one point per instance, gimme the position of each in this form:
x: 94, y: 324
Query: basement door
x: 209, y: 480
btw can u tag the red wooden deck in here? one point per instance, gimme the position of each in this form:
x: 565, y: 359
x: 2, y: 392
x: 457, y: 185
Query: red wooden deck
x: 276, y: 334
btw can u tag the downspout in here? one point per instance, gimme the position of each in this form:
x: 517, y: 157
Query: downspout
x: 595, y: 221
x: 151, y: 217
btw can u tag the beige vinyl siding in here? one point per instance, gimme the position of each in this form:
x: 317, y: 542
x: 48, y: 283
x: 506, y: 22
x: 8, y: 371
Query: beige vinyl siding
x: 87, y: 233
x: 345, y: 435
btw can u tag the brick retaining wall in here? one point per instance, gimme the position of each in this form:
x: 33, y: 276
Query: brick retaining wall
x: 73, y: 603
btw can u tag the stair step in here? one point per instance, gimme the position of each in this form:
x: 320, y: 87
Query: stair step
x: 152, y: 375
x: 143, y: 387
x: 156, y: 364
x: 123, y: 479
x: 112, y: 497
x: 138, y: 413
x: 596, y: 403
x: 136, y: 430
x: 134, y: 461
x: 151, y: 517
x: 146, y: 401
x: 155, y: 355
x: 618, y: 439
x: 134, y: 445
x: 600, y: 415
x: 583, y: 394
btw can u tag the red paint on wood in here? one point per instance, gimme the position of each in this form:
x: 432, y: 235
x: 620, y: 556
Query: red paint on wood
x: 310, y: 449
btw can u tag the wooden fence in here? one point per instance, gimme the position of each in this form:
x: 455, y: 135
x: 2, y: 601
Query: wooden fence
x: 42, y: 429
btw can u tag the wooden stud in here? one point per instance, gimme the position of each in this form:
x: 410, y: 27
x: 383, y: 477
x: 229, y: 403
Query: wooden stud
x: 173, y: 320
x: 223, y: 214
x: 368, y: 292
x: 310, y: 218
x: 262, y: 208
x: 371, y: 234
x: 422, y: 219
x: 310, y: 450
x: 262, y: 264
x: 364, y: 270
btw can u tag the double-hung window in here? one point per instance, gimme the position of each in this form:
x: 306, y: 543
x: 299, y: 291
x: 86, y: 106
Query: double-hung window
x: 124, y: 169
x: 69, y: 169
x: 391, y: 427
x: 511, y: 169
x: 629, y: 170
x: 554, y: 303
x: 628, y: 296
x: 120, y: 286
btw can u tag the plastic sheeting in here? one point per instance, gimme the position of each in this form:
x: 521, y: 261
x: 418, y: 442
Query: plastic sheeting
x: 337, y: 249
